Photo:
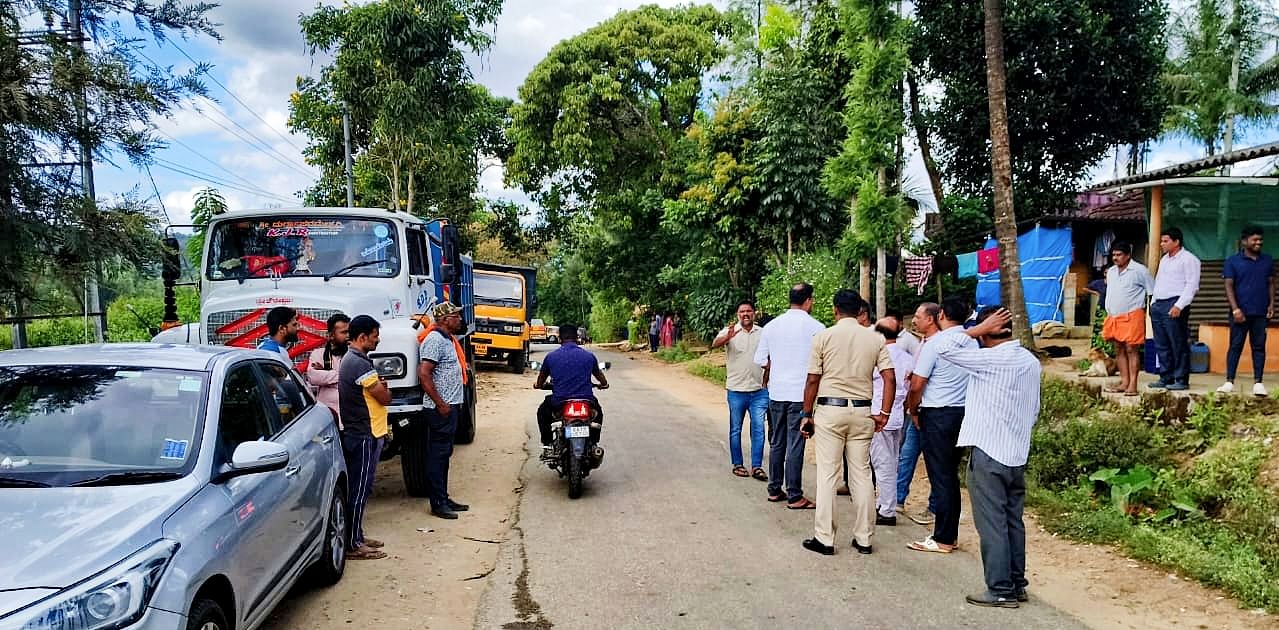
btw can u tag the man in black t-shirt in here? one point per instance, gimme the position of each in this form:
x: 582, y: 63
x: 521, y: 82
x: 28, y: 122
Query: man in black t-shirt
x: 362, y: 400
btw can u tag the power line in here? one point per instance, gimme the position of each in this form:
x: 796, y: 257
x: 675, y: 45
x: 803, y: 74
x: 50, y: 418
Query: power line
x: 271, y: 153
x: 212, y: 162
x: 167, y: 218
x: 205, y: 177
x: 237, y: 98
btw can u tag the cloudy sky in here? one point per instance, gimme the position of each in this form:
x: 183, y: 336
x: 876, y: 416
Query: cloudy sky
x: 239, y: 143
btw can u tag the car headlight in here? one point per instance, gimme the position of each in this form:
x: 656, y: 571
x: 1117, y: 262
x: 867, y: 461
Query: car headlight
x: 513, y: 329
x: 112, y: 599
x: 389, y: 365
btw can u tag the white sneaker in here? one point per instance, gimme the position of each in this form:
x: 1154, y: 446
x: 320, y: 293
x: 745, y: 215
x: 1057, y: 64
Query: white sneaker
x: 1259, y: 390
x: 1227, y: 388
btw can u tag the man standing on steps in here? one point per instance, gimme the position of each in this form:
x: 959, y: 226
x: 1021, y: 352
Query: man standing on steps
x: 936, y: 402
x: 1176, y: 283
x: 440, y: 373
x: 1001, y: 407
x: 1128, y: 283
x: 1250, y: 288
x: 746, y: 393
x: 783, y: 352
x: 926, y: 321
x: 362, y: 400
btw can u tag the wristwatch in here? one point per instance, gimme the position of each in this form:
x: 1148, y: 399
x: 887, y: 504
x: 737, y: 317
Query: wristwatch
x: 805, y: 414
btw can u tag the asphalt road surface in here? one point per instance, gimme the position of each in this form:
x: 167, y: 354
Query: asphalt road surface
x: 665, y: 537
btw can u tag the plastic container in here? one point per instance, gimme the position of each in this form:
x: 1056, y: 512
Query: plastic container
x: 1198, y: 358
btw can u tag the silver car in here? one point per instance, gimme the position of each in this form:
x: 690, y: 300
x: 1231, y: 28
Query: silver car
x: 162, y: 486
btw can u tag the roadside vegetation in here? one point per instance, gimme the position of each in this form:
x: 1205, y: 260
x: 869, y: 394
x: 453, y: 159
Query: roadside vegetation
x: 1192, y: 489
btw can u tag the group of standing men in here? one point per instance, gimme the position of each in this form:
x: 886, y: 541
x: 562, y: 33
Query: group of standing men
x: 347, y: 382
x: 1249, y: 282
x: 871, y: 398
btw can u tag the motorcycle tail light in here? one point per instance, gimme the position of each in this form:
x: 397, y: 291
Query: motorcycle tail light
x: 577, y: 409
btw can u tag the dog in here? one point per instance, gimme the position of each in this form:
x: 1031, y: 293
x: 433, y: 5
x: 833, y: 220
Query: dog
x: 1102, y: 365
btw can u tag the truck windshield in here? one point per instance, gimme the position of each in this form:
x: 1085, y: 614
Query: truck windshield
x: 291, y: 245
x: 498, y: 290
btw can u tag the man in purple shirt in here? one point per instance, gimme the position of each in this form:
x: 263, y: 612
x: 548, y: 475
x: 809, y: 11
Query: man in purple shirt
x: 569, y: 369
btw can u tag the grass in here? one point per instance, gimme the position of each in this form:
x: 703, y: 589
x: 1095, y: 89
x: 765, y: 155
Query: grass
x: 676, y: 354
x: 717, y: 374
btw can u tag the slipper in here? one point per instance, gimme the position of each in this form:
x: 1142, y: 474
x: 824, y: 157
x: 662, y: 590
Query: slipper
x: 375, y: 544
x: 365, y: 553
x: 1113, y: 390
x: 758, y: 473
x: 741, y: 471
x: 1132, y: 393
x: 928, y: 545
x: 802, y: 504
x: 776, y: 498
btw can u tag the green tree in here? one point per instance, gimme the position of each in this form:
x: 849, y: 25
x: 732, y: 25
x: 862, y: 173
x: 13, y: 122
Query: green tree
x: 1224, y: 71
x: 208, y: 204
x: 419, y: 124
x: 49, y: 231
x: 1082, y: 77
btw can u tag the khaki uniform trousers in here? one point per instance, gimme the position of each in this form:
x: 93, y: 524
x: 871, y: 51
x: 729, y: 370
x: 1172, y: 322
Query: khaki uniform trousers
x: 844, y: 432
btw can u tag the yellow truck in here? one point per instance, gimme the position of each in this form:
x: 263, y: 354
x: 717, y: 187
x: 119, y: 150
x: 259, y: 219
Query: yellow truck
x: 504, y: 305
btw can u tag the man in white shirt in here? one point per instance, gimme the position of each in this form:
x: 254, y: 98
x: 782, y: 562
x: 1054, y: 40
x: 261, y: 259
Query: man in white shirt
x: 1128, y: 283
x: 1176, y: 283
x: 885, y: 446
x: 906, y: 339
x: 783, y: 352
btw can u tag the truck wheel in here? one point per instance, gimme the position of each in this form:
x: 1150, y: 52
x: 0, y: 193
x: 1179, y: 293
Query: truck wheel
x: 412, y: 441
x: 518, y: 361
x: 466, y: 417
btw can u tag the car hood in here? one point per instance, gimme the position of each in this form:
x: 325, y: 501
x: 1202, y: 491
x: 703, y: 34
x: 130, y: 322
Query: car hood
x: 54, y: 537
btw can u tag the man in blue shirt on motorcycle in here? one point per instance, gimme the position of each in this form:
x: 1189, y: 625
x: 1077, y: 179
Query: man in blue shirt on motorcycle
x: 569, y: 369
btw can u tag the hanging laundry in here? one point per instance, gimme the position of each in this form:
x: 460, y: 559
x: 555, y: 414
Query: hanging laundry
x: 967, y: 265
x: 918, y: 270
x: 892, y: 263
x: 1101, y: 249
x: 944, y: 263
x: 988, y: 260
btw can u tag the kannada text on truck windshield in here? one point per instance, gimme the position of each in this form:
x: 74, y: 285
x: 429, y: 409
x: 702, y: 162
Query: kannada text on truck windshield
x: 283, y: 246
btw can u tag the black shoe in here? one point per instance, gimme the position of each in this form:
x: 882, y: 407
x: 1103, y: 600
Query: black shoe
x: 860, y: 549
x: 1177, y: 387
x: 458, y: 507
x: 812, y: 544
x: 444, y: 512
x: 990, y: 600
x: 890, y: 521
x: 1022, y: 596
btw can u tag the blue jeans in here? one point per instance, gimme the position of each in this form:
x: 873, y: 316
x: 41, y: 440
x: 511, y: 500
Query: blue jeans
x: 1254, y: 328
x: 998, y: 494
x: 906, y: 461
x: 439, y: 448
x: 786, y: 449
x: 1172, y: 341
x: 739, y: 403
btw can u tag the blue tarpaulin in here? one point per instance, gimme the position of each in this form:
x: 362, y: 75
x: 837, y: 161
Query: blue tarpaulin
x: 1045, y: 258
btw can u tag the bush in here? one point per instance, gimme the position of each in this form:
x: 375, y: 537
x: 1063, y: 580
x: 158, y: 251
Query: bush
x: 1060, y: 456
x: 821, y: 269
x: 1061, y: 400
x: 608, y: 317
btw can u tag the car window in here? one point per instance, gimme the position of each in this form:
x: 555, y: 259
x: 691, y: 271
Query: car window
x: 243, y: 417
x: 284, y: 392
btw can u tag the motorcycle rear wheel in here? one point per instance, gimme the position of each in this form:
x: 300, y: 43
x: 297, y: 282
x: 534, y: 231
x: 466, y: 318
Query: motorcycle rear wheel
x: 575, y: 475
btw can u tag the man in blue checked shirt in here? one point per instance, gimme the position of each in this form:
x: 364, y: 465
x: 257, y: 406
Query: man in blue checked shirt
x: 1000, y: 408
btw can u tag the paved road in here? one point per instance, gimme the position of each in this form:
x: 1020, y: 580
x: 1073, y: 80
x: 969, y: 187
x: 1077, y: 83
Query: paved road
x: 665, y: 537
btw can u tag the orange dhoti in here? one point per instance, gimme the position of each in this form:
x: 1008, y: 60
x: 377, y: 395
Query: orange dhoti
x: 1127, y: 328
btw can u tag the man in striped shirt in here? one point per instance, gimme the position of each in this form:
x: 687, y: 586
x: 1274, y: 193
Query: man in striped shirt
x: 1000, y: 408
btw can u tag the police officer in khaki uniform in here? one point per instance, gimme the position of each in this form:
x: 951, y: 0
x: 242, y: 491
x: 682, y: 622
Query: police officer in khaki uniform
x: 837, y: 415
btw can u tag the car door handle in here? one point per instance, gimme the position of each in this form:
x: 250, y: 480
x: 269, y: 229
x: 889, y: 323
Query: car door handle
x: 292, y: 471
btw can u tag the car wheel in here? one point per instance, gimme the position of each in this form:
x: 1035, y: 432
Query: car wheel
x: 206, y: 614
x: 329, y: 568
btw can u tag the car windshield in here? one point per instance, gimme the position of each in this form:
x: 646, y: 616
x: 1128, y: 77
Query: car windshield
x: 68, y: 424
x: 303, y: 246
x: 498, y: 290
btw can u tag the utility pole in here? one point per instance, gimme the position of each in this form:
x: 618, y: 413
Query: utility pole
x: 346, y: 154
x: 92, y: 301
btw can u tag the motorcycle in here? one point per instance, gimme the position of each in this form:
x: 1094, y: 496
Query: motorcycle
x: 575, y: 430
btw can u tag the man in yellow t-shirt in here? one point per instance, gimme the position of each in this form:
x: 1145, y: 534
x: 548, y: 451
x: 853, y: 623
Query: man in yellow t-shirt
x: 362, y: 400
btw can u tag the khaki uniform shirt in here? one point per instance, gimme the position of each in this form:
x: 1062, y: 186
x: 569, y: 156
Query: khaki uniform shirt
x: 847, y: 355
x: 743, y: 374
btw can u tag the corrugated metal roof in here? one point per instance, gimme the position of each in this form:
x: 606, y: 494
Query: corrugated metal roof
x: 1194, y: 166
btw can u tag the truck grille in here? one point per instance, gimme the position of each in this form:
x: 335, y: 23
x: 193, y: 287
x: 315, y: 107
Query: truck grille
x: 245, y: 328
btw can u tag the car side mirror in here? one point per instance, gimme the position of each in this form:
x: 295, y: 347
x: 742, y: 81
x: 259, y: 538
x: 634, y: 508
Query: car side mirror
x: 255, y: 457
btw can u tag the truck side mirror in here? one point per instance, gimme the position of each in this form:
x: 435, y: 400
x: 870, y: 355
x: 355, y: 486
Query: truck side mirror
x: 448, y: 273
x: 170, y: 272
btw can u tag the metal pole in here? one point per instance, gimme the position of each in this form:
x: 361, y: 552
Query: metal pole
x: 346, y: 154
x: 92, y: 303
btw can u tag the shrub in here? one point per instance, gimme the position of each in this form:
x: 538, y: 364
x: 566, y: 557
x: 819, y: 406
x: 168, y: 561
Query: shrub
x: 1060, y: 400
x: 1060, y: 456
x: 608, y: 317
x: 676, y: 354
x: 717, y: 374
x: 821, y: 269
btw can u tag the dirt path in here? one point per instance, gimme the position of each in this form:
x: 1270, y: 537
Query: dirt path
x: 436, y: 569
x: 1096, y: 584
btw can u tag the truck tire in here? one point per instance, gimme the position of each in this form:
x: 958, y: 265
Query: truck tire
x: 466, y: 417
x: 412, y: 441
x: 518, y: 361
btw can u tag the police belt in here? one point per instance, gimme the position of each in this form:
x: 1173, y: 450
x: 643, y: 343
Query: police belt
x: 843, y: 402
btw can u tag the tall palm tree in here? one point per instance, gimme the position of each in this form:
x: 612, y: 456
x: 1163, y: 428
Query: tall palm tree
x: 1227, y: 71
x: 1011, y: 293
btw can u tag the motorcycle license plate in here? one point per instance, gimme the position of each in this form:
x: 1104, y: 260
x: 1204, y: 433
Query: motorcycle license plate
x: 578, y: 431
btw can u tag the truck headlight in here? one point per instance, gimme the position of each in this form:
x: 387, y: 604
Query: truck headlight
x: 515, y: 330
x: 389, y: 365
x: 114, y: 598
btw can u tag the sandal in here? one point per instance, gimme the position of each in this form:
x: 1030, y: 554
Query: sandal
x: 1132, y: 393
x: 758, y: 473
x: 375, y: 544
x: 365, y: 553
x: 740, y: 471
x: 776, y: 498
x: 929, y: 545
x: 1113, y: 390
x: 802, y: 504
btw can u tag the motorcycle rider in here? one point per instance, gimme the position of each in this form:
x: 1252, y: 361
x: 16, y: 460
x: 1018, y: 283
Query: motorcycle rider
x: 570, y: 369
